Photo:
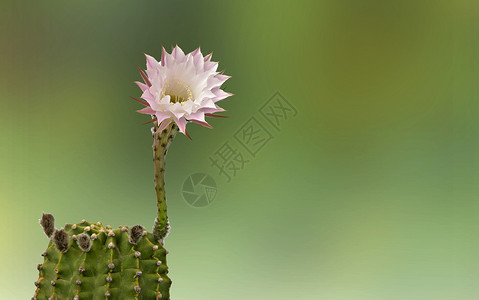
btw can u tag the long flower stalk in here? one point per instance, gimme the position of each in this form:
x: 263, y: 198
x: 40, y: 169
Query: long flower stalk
x: 161, y: 142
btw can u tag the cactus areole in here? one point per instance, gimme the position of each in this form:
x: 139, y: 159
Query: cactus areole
x: 92, y: 261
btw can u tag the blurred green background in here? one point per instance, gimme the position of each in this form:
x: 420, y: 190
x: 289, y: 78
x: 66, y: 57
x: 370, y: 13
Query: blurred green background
x: 369, y: 193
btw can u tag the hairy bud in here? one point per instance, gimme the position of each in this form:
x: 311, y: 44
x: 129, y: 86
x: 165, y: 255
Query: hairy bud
x: 84, y: 242
x: 61, y: 239
x: 136, y: 232
x: 48, y: 223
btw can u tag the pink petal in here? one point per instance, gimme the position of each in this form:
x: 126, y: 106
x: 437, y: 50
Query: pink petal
x: 169, y: 60
x: 163, y: 125
x: 146, y: 110
x: 151, y: 62
x: 196, y: 51
x: 181, y: 122
x: 208, y: 57
x: 209, y: 103
x: 214, y: 82
x: 161, y: 116
x: 178, y: 54
x: 198, y: 116
x: 210, y: 66
x: 148, y: 96
x: 198, y: 61
x: 222, y: 77
x: 142, y: 86
x: 145, y: 78
x: 220, y: 94
x: 212, y: 110
x: 163, y: 56
x: 202, y: 124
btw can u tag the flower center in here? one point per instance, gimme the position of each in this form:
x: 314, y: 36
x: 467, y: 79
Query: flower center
x: 178, y: 91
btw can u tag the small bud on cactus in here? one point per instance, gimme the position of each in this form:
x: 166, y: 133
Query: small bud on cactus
x: 61, y: 239
x: 84, y: 242
x: 48, y: 223
x: 136, y: 233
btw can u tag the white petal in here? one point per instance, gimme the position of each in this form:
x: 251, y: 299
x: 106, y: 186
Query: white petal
x: 177, y: 110
x: 165, y: 100
x: 220, y: 94
x: 178, y: 54
x: 208, y: 103
x: 188, y: 106
x: 198, y: 116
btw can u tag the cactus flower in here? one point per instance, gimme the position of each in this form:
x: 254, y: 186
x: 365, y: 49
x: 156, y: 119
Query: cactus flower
x: 181, y: 88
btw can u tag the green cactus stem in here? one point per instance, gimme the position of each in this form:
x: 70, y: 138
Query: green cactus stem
x: 161, y: 142
x: 91, y: 261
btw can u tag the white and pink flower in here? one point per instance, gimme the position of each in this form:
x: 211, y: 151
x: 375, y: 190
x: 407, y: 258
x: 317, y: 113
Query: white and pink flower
x: 181, y: 88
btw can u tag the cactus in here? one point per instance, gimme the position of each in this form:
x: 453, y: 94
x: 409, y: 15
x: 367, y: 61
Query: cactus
x: 91, y: 261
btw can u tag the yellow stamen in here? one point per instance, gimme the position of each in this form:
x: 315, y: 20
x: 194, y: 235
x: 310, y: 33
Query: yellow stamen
x: 178, y: 92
